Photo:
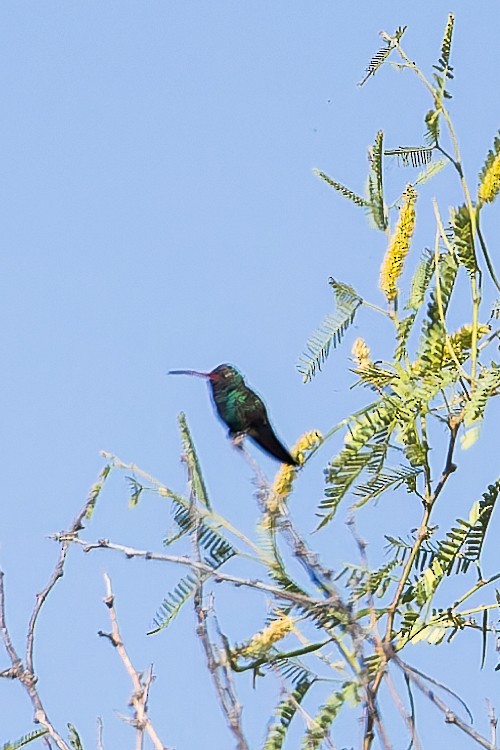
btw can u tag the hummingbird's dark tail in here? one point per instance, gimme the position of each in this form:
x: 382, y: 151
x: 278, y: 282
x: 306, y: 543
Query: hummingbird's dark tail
x: 265, y: 437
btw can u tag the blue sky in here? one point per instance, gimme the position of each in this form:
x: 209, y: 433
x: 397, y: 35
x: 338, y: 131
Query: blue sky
x: 159, y: 211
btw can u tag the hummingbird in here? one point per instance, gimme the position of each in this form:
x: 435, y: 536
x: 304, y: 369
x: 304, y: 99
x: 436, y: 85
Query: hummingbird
x: 241, y: 409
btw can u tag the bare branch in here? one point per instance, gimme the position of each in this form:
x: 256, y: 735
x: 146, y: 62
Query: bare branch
x: 25, y: 677
x: 140, y: 685
x: 450, y: 716
x: 215, y: 574
x: 58, y: 571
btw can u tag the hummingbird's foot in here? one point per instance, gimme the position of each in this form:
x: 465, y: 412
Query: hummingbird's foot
x: 237, y: 439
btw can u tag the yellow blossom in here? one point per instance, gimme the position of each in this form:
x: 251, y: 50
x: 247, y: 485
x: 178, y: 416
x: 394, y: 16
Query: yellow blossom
x: 286, y: 474
x: 490, y: 176
x: 261, y: 642
x: 399, y: 245
x: 361, y: 354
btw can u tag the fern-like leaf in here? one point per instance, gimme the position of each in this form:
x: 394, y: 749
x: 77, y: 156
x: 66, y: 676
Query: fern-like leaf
x: 477, y: 533
x: 433, y: 338
x: 462, y: 238
x: 443, y: 67
x: 342, y: 189
x: 216, y: 546
x: 430, y: 171
x: 74, y: 738
x: 418, y: 288
x: 319, y: 728
x: 381, y: 55
x: 331, y: 331
x: 432, y: 123
x: 217, y: 551
x: 173, y: 602
x: 373, y: 582
x: 404, y: 327
x: 374, y: 376
x: 95, y: 491
x: 375, y: 183
x: 388, y: 479
x: 193, y: 465
x: 367, y: 433
x: 417, y: 156
x: 24, y: 740
x: 136, y: 490
x: 283, y: 715
x: 487, y: 384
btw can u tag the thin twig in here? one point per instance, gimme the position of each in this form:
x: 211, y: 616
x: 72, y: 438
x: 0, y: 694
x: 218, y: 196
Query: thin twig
x: 407, y: 718
x: 449, y: 716
x: 448, y: 469
x: 58, y: 571
x: 26, y: 678
x: 493, y: 723
x: 100, y: 745
x: 140, y: 684
x: 216, y: 574
x: 217, y: 663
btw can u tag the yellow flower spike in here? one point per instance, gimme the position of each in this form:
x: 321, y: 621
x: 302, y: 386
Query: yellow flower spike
x: 286, y: 474
x: 399, y: 245
x: 261, y: 642
x: 283, y: 480
x: 489, y: 185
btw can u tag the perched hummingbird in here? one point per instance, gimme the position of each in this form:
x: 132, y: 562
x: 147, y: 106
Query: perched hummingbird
x: 241, y: 409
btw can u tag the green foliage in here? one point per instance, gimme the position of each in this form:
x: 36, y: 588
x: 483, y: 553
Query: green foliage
x: 375, y: 183
x: 487, y: 385
x: 417, y: 156
x: 372, y: 582
x: 387, y: 479
x: 443, y: 67
x: 191, y: 458
x: 433, y: 130
x: 462, y: 238
x: 418, y: 289
x: 375, y: 377
x: 477, y: 532
x: 342, y: 189
x: 136, y: 490
x: 433, y: 337
x: 319, y: 728
x: 74, y: 738
x: 444, y: 73
x: 191, y: 518
x: 332, y: 330
x: 429, y: 171
x: 382, y: 54
x: 420, y: 282
x: 24, y: 740
x: 95, y: 491
x: 173, y: 602
x: 365, y: 443
x: 283, y: 715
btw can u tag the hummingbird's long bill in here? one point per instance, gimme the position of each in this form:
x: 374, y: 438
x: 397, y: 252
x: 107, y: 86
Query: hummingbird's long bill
x: 189, y: 372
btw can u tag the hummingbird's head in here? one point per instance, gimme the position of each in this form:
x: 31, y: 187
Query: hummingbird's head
x: 226, y: 374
